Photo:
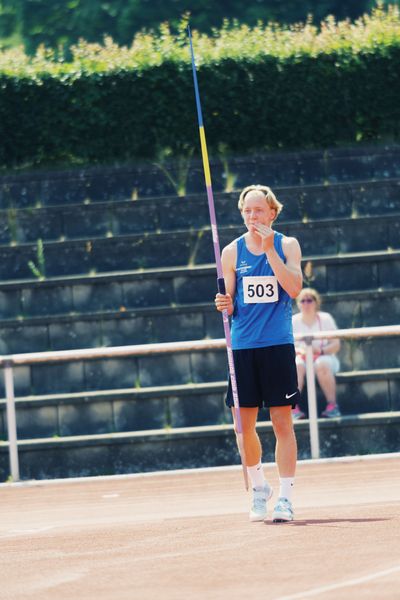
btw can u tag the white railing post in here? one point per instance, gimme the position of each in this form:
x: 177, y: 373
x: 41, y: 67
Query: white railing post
x: 11, y: 421
x: 312, y: 399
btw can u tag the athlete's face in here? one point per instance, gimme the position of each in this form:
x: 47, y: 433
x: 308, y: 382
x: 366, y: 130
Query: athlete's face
x: 257, y: 210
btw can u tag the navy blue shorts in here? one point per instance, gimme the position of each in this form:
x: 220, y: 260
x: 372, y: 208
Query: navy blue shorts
x: 265, y: 377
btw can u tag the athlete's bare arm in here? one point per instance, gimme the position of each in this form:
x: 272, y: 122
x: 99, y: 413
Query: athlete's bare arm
x: 228, y: 259
x: 289, y: 275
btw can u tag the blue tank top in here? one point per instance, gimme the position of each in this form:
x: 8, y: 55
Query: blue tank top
x: 262, y: 313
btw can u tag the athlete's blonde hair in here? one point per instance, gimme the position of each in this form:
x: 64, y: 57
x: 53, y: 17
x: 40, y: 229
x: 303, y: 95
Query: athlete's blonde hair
x: 269, y: 197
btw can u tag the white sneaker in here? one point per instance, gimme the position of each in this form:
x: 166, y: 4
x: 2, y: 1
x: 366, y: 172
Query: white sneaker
x: 258, y: 510
x: 283, y: 511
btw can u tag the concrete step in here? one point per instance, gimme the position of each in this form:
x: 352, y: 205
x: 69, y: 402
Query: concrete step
x: 173, y: 286
x: 190, y: 321
x: 139, y: 326
x: 165, y: 407
x: 183, y: 248
x: 193, y: 447
x: 363, y: 391
x: 145, y: 180
x: 131, y: 372
x: 108, y: 411
x: 110, y: 219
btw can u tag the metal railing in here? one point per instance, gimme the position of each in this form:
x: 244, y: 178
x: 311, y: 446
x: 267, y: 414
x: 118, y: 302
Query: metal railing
x: 9, y: 361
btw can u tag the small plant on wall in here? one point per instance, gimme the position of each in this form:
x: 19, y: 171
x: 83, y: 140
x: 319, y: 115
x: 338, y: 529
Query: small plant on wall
x: 229, y: 177
x: 182, y: 162
x: 38, y: 269
x: 12, y: 223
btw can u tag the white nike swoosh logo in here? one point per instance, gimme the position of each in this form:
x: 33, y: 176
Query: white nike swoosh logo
x: 287, y: 397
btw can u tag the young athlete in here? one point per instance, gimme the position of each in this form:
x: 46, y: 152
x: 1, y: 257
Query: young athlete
x: 262, y: 274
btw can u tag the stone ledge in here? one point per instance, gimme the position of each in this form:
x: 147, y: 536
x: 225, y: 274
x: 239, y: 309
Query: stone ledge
x: 176, y: 390
x: 115, y: 218
x: 236, y: 229
x: 140, y: 393
x: 352, y: 185
x: 156, y: 435
x: 330, y: 298
x: 184, y: 270
x: 291, y: 167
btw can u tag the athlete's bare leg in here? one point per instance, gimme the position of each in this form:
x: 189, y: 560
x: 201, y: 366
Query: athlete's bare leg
x: 251, y: 441
x: 301, y: 375
x: 286, y: 445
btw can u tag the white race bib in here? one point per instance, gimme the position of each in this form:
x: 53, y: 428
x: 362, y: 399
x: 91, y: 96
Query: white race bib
x: 260, y: 289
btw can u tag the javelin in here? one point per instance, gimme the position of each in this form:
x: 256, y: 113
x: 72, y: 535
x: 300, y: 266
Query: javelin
x: 220, y: 275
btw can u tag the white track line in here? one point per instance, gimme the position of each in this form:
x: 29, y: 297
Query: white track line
x: 337, y: 586
x: 95, y: 478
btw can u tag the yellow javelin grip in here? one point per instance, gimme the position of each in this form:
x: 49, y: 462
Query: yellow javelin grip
x: 204, y: 153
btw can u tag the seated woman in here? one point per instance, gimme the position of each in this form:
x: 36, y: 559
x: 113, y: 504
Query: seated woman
x: 310, y: 320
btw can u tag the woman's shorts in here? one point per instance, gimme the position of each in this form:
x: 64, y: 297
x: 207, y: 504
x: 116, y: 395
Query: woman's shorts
x: 265, y: 377
x: 330, y: 360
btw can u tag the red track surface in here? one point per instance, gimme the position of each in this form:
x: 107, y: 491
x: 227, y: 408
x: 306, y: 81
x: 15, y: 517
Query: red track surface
x: 187, y: 536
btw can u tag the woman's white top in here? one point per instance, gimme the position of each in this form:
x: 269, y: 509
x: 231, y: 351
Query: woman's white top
x: 323, y: 322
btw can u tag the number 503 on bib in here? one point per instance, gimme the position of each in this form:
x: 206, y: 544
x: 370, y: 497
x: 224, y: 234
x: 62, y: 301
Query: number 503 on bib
x: 260, y: 289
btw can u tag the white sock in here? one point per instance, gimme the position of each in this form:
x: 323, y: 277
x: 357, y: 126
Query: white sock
x: 286, y: 487
x: 256, y: 474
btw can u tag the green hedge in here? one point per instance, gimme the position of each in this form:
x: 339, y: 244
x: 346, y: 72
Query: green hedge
x: 261, y: 88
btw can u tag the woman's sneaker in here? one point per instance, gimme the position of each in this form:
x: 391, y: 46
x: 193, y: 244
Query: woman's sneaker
x: 297, y: 413
x: 258, y: 510
x: 283, y: 511
x: 331, y: 411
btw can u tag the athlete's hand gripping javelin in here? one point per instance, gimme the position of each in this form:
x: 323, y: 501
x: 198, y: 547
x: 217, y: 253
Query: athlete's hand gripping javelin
x: 224, y: 302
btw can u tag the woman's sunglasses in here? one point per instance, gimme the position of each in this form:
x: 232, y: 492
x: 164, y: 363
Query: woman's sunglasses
x: 307, y: 300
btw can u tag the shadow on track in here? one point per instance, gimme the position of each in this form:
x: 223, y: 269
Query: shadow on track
x: 307, y: 522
